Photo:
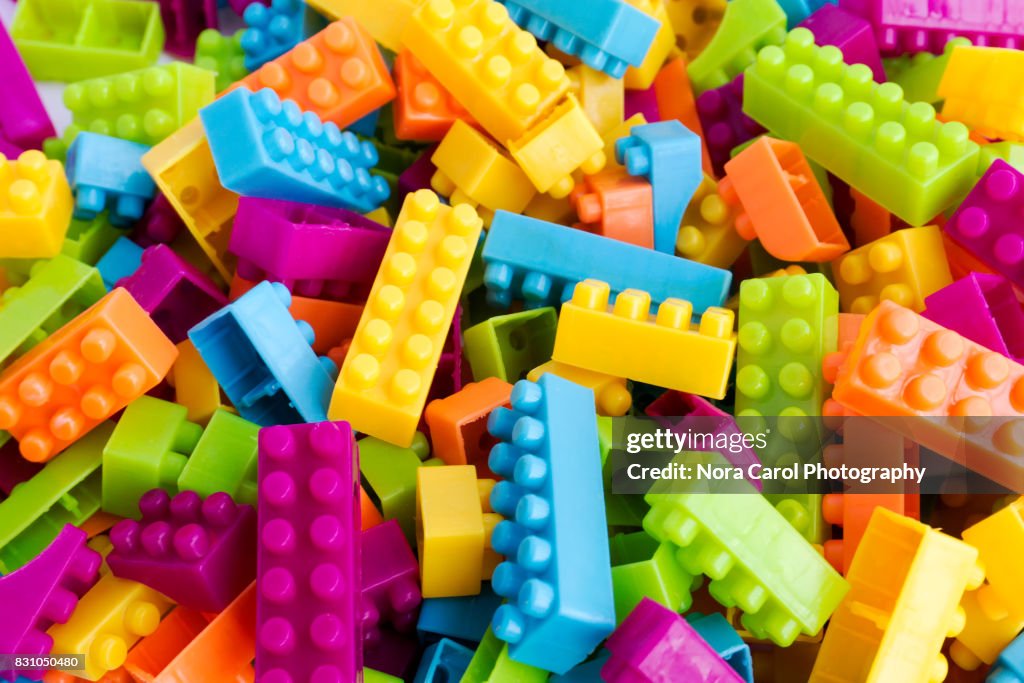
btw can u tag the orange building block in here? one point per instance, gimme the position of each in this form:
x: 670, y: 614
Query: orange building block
x: 82, y: 374
x: 154, y: 652
x: 99, y: 523
x: 370, y: 514
x: 962, y: 262
x: 784, y: 205
x: 338, y: 74
x: 424, y: 110
x: 119, y: 675
x: 676, y: 100
x: 870, y: 220
x: 458, y: 423
x: 615, y: 204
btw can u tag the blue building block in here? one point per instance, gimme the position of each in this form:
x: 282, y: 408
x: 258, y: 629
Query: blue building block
x: 263, y: 147
x: 557, y: 572
x: 1009, y: 666
x: 525, y: 258
x: 263, y: 360
x: 122, y: 259
x: 366, y: 126
x: 443, y: 662
x: 274, y: 30
x: 798, y: 10
x: 720, y: 635
x: 607, y: 35
x: 107, y: 173
x: 587, y: 672
x: 668, y: 154
x: 463, y: 619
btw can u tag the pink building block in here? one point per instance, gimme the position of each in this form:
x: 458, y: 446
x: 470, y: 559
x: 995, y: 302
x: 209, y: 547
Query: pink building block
x: 24, y: 123
x: 395, y: 654
x: 308, y: 625
x: 982, y: 308
x: 656, y: 645
x: 42, y: 593
x: 175, y: 293
x: 239, y: 5
x: 161, y: 224
x: 724, y: 123
x: 315, y: 251
x: 184, y: 20
x: 418, y: 175
x: 852, y: 34
x: 200, y: 553
x: 449, y: 376
x: 643, y: 102
x: 391, y: 582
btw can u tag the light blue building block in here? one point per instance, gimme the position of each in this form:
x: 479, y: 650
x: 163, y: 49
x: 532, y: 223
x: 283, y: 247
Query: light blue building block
x: 272, y: 31
x: 798, y: 10
x: 720, y: 635
x: 263, y: 147
x: 443, y: 662
x: 463, y: 619
x: 557, y: 572
x: 1009, y: 666
x: 668, y: 154
x: 366, y: 126
x: 263, y: 360
x: 107, y: 173
x: 607, y: 35
x: 526, y: 259
x: 587, y: 672
x: 122, y: 259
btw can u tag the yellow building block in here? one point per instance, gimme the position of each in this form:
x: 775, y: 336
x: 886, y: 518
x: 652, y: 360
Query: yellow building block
x: 35, y: 206
x: 108, y: 620
x: 384, y: 19
x: 490, y: 65
x: 552, y: 150
x: 183, y: 169
x: 694, y: 23
x: 195, y: 387
x: 906, y: 583
x: 381, y: 215
x: 981, y: 88
x: 611, y: 396
x: 613, y: 135
x: 904, y: 267
x: 983, y: 637
x: 664, y: 349
x: 473, y: 170
x: 708, y: 232
x: 390, y: 364
x: 642, y: 77
x: 602, y: 97
x: 546, y: 208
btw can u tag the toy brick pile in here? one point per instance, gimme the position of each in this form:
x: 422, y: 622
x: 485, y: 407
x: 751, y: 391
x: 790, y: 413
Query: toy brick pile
x: 311, y: 340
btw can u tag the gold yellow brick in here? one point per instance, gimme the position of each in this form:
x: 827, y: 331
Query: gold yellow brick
x: 642, y: 77
x: 611, y: 396
x: 601, y: 96
x: 35, y: 206
x: 708, y: 233
x: 449, y: 531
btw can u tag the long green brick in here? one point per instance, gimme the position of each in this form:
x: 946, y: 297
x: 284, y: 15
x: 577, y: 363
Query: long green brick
x: 748, y: 25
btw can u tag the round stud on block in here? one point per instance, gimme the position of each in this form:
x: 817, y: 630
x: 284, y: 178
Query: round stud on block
x: 327, y: 582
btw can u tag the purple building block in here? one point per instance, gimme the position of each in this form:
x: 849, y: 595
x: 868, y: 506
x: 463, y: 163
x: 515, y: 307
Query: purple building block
x: 643, y: 102
x: 24, y: 123
x: 656, y: 645
x: 982, y: 308
x: 395, y: 654
x: 988, y: 222
x: 308, y: 625
x: 724, y: 123
x: 448, y: 379
x: 418, y: 175
x: 200, y: 553
x: 161, y: 224
x: 14, y: 469
x: 315, y: 251
x: 391, y: 582
x: 184, y: 20
x: 42, y: 593
x: 239, y: 5
x: 851, y: 34
x: 174, y: 292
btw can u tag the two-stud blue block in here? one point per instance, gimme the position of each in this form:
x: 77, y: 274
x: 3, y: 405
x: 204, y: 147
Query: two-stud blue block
x: 122, y: 259
x: 107, y: 173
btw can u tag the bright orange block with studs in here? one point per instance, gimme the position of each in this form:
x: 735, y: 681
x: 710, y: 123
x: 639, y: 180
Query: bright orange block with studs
x: 458, y: 423
x: 615, y: 204
x: 424, y: 110
x: 676, y: 100
x: 35, y: 206
x: 82, y: 374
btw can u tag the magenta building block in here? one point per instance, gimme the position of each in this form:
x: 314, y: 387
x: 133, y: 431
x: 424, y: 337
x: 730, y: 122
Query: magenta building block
x: 42, y: 593
x: 184, y: 20
x: 308, y: 625
x: 161, y: 224
x: 175, y: 293
x: 315, y: 251
x: 391, y: 582
x: 643, y: 102
x: 14, y: 469
x: 418, y: 175
x: 395, y: 654
x: 725, y: 125
x: 448, y: 379
x: 24, y: 123
x: 239, y: 5
x: 852, y: 34
x: 984, y: 309
x: 199, y: 553
x: 656, y: 645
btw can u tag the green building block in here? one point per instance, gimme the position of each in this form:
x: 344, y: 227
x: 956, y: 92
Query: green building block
x: 148, y: 450
x: 143, y: 106
x: 390, y: 472
x: 1010, y: 152
x: 748, y: 25
x: 623, y: 511
x: 865, y: 133
x: 803, y: 512
x: 224, y: 459
x: 71, y: 40
x: 65, y: 491
x: 223, y: 55
x: 57, y: 290
x: 509, y: 346
x: 919, y: 74
x: 491, y: 664
x: 87, y: 241
x: 372, y: 676
x: 643, y: 568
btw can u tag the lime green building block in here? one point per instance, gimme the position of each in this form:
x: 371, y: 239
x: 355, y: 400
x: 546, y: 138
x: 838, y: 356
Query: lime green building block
x: 509, y: 346
x: 1010, y: 152
x: 224, y: 459
x: 223, y: 55
x: 71, y: 40
x: 390, y: 472
x: 643, y: 568
x: 865, y: 133
x: 147, y: 450
x: 748, y: 25
x: 65, y: 491
x: 87, y: 241
x: 803, y: 512
x: 143, y: 106
x: 919, y: 74
x: 492, y: 664
x: 373, y: 676
x: 621, y: 510
x: 57, y: 290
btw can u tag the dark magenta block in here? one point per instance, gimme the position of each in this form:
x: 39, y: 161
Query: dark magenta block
x: 184, y: 20
x: 642, y: 102
x: 724, y: 123
x: 161, y: 224
x: 982, y: 308
x: 850, y: 33
x: 391, y: 582
x: 24, y: 123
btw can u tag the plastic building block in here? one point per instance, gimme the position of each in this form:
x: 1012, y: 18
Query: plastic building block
x: 195, y: 387
x: 720, y: 635
x: 694, y: 23
x: 14, y: 470
x: 154, y: 652
x: 892, y: 623
x: 184, y: 21
x: 643, y: 569
x: 443, y: 661
x: 70, y: 40
x: 611, y: 396
x: 272, y: 30
x: 308, y: 482
x: 45, y: 591
x: 905, y: 267
x: 799, y: 10
x: 601, y: 97
x: 458, y: 423
x: 851, y: 34
x: 982, y: 308
x: 224, y: 459
x: 385, y: 20
x: 383, y: 383
x: 391, y: 589
x: 261, y: 357
x: 140, y: 106
x: 473, y: 170
x: 24, y: 123
x: 122, y: 259
x: 974, y: 95
x: 159, y: 225
x: 707, y: 233
x: 556, y: 575
x: 1009, y: 667
x: 676, y: 99
x: 615, y: 204
x: 35, y: 206
x: 668, y: 155
x: 463, y: 619
x: 894, y: 152
x: 82, y: 374
x: 424, y: 110
x: 653, y: 641
x: 492, y: 662
x: 87, y: 241
x: 390, y: 472
x: 107, y: 173
x: 641, y: 77
x: 746, y: 27
x: 267, y: 148
x: 522, y: 263
x: 338, y: 75
x: 724, y: 123
x: 919, y: 74
x: 486, y: 62
x: 595, y: 337
x: 223, y: 55
x: 65, y: 491
x: 509, y: 346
